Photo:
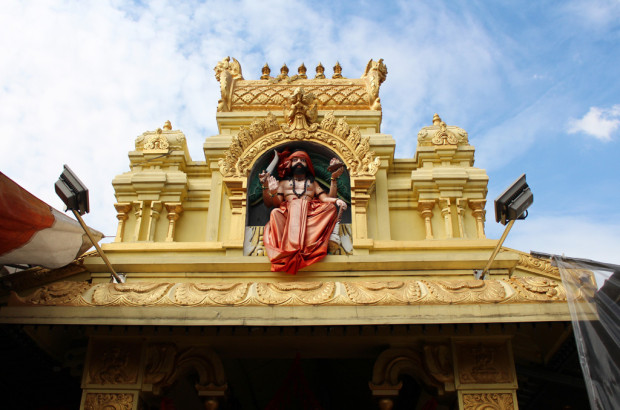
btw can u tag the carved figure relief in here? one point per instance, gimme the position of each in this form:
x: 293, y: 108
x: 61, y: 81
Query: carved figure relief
x: 484, y: 363
x: 114, y: 362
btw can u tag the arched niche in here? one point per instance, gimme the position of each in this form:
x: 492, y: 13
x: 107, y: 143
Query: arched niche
x: 250, y: 151
x: 258, y: 213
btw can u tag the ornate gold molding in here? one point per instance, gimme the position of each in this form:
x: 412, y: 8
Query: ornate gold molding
x: 103, y: 401
x: 488, y: 401
x: 161, y: 139
x: 441, y: 134
x: 265, y: 134
x: 380, y: 293
x: 540, y: 266
x: 270, y: 93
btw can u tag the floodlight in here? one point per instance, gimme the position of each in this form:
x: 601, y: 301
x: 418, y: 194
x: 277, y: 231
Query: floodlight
x: 511, y: 205
x: 513, y: 202
x: 72, y: 191
x: 75, y: 196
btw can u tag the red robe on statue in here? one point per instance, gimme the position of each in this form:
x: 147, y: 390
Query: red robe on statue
x: 297, y: 234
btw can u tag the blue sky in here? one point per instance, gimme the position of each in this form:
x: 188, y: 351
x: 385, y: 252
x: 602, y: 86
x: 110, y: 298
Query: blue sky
x: 535, y: 84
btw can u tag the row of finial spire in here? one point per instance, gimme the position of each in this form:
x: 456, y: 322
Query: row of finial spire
x: 301, y: 72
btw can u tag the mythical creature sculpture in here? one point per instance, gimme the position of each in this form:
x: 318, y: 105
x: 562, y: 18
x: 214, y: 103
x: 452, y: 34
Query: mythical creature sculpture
x: 375, y: 75
x: 226, y: 72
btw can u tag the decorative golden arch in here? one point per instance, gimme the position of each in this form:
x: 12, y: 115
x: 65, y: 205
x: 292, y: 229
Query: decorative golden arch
x: 265, y: 134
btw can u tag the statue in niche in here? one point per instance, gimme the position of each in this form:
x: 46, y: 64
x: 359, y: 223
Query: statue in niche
x: 298, y: 232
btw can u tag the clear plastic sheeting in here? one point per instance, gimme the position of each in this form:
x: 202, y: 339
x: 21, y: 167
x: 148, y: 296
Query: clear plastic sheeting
x: 593, y: 293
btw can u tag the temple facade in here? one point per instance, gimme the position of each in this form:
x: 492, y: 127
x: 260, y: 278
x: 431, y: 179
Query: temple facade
x: 391, y: 318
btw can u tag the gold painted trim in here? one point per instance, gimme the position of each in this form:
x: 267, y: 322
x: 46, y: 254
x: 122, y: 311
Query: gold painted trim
x: 363, y: 293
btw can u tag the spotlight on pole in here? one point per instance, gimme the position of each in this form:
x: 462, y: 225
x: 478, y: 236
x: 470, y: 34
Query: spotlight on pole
x: 74, y: 194
x: 511, y: 205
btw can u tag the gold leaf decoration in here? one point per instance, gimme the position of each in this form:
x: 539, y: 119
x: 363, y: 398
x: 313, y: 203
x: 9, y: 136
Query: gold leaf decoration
x: 308, y: 293
x: 540, y: 265
x: 130, y: 294
x: 367, y: 293
x: 467, y: 291
x: 106, y: 401
x: 488, y: 401
x: 536, y: 288
x: 260, y: 136
x: 192, y: 294
x: 433, y: 292
x: 60, y: 293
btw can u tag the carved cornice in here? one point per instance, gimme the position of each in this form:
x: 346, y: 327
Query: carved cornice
x: 270, y: 93
x: 539, y: 266
x: 265, y: 134
x: 393, y: 293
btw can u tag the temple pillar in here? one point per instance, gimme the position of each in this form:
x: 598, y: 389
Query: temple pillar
x: 485, y: 374
x: 426, y: 211
x: 383, y: 204
x: 174, y: 213
x: 461, y: 205
x: 215, y: 204
x: 477, y: 209
x: 236, y: 188
x: 156, y: 207
x: 122, y: 209
x: 138, y: 208
x: 444, y: 205
x: 361, y: 188
x: 112, y: 374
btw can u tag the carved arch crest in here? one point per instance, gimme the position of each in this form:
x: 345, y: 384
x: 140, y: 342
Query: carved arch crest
x: 433, y: 369
x: 166, y: 363
x: 265, y: 134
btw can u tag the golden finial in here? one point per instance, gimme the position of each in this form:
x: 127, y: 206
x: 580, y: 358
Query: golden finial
x: 167, y: 126
x: 301, y: 70
x: 284, y: 71
x: 266, y: 71
x: 337, y: 70
x: 320, y: 71
x: 436, y: 119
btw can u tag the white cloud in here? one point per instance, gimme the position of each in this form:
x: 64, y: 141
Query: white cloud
x: 599, y: 123
x: 595, y: 14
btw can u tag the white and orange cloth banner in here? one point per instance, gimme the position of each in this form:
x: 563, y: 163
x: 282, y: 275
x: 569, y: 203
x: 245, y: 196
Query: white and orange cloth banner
x: 34, y: 233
